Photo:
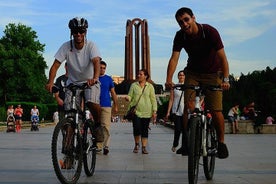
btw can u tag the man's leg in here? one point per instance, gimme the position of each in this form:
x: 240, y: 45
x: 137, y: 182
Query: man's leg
x: 218, y: 121
x: 105, y: 122
x: 95, y: 110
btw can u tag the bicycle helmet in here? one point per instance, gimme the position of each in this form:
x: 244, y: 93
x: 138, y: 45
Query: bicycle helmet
x: 78, y: 23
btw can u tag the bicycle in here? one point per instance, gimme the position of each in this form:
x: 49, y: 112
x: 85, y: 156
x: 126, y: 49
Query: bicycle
x: 73, y: 141
x: 202, y: 137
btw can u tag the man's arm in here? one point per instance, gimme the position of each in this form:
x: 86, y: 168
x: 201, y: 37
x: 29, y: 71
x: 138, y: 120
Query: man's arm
x: 171, y: 68
x: 115, y: 99
x: 52, y: 75
x: 58, y: 99
x: 224, y: 63
x: 225, y: 68
x: 96, y: 63
x: 170, y: 103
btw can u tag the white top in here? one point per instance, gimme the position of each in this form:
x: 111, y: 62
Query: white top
x: 80, y: 66
x: 177, y: 94
x: 34, y: 112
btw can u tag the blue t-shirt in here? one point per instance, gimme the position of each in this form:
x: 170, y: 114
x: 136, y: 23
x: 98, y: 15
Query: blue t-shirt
x: 106, y: 85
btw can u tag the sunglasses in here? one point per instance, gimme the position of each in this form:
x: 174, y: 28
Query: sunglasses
x: 76, y: 31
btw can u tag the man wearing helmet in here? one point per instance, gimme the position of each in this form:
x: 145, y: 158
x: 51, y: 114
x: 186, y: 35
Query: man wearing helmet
x: 83, y: 63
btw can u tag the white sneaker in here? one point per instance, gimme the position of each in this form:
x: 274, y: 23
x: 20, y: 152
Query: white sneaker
x: 173, y: 149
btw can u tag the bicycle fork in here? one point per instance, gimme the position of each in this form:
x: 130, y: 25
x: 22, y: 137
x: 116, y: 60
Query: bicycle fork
x: 204, y: 137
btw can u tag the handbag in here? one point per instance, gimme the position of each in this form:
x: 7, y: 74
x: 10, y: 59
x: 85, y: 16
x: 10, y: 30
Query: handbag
x: 131, y: 112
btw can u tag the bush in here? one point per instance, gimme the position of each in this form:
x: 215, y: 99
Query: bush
x: 3, y: 115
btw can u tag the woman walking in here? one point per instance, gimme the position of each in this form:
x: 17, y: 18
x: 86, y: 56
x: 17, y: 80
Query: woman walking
x: 142, y: 94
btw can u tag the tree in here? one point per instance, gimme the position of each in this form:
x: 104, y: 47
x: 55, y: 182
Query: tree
x: 22, y: 66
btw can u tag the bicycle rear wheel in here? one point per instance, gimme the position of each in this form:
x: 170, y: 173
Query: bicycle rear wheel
x: 66, y: 155
x: 211, y: 145
x: 90, y: 150
x: 194, y: 135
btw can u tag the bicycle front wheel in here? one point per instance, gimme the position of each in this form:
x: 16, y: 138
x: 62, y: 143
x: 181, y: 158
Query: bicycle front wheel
x: 194, y: 146
x: 211, y: 145
x: 66, y: 151
x: 90, y: 150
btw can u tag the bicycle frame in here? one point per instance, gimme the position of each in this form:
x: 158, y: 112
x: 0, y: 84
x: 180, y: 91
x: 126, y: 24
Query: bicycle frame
x: 199, y: 112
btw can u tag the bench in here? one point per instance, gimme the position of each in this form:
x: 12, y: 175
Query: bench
x: 266, y: 129
x: 245, y: 127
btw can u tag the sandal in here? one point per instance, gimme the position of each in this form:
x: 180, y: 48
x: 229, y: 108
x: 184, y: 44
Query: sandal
x: 144, y: 151
x: 136, y: 148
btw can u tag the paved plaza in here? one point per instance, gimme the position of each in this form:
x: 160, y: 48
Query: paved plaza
x: 26, y: 159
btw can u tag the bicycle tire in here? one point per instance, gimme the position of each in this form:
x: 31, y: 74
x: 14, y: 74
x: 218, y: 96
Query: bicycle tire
x: 89, y: 151
x: 194, y: 149
x: 67, y: 164
x: 211, y: 145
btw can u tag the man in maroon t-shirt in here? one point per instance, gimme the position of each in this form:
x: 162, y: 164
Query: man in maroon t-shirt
x: 207, y: 64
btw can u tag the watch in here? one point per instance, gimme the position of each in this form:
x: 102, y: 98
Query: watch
x: 226, y: 79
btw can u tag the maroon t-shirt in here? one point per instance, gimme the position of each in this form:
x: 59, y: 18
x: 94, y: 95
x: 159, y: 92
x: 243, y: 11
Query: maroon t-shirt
x: 201, y: 49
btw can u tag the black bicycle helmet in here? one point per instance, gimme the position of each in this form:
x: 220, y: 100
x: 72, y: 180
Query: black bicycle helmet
x: 78, y: 23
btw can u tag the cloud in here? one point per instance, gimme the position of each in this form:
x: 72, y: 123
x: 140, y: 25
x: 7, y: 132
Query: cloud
x: 241, y: 21
x: 248, y: 66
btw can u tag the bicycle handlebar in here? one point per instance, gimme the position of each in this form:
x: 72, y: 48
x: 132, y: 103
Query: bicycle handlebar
x: 71, y: 87
x: 183, y: 87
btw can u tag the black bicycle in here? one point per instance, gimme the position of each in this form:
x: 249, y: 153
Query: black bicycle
x: 202, y: 137
x: 73, y: 141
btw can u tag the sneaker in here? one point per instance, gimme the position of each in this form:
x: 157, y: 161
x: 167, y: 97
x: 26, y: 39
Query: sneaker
x: 179, y: 151
x: 173, y: 149
x: 222, y: 151
x: 105, y: 150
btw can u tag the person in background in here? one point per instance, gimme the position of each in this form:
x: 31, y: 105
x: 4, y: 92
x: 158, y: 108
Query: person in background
x: 269, y: 120
x: 18, y: 113
x: 60, y: 95
x: 176, y: 108
x: 145, y: 109
x: 56, y: 117
x: 249, y: 111
x: 233, y: 118
x: 34, y: 113
x: 107, y: 90
x: 10, y: 111
x: 10, y: 115
x: 206, y: 65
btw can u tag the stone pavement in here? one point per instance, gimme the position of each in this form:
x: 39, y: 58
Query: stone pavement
x: 26, y: 158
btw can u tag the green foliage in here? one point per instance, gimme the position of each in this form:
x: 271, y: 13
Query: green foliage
x: 51, y: 109
x: 22, y: 66
x: 3, y: 114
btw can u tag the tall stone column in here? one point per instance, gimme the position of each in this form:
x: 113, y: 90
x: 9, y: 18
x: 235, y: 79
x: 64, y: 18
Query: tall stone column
x: 137, y: 49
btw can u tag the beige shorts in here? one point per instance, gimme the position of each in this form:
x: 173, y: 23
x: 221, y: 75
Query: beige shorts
x: 213, y: 99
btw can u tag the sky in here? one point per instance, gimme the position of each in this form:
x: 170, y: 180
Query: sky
x: 246, y: 27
